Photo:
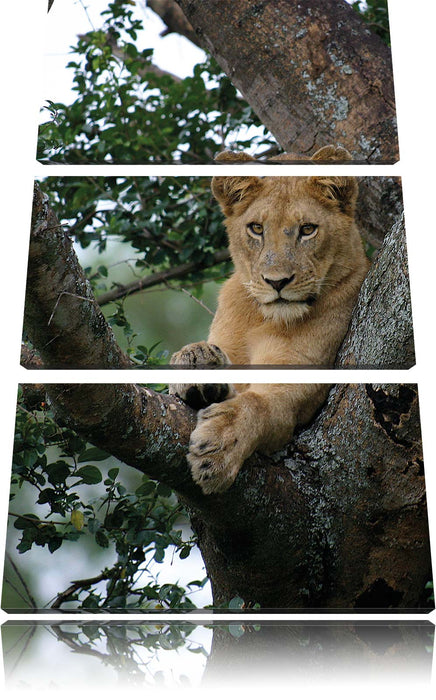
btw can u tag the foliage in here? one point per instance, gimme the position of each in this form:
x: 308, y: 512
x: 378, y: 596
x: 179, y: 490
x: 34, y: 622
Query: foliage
x: 143, y: 226
x: 139, y: 523
x: 167, y: 221
x: 125, y: 112
x: 375, y: 12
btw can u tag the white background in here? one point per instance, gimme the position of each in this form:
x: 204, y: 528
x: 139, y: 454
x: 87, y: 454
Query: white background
x: 412, y: 31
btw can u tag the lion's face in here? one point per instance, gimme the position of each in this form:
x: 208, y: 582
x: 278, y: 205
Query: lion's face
x: 290, y: 238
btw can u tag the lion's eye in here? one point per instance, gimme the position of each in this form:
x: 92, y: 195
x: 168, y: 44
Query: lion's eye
x: 308, y: 230
x: 255, y: 228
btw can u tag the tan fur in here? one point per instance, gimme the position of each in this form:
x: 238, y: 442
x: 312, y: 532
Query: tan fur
x: 303, y: 323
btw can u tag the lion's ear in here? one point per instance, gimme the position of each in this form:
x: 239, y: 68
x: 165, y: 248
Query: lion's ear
x: 234, y: 157
x: 337, y: 191
x: 332, y: 153
x: 230, y: 190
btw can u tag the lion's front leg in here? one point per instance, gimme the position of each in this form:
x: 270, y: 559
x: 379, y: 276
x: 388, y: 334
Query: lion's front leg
x: 226, y: 434
x: 201, y: 355
x: 262, y: 418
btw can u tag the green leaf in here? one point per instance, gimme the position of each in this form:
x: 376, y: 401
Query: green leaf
x: 93, y: 525
x: 54, y: 543
x: 185, y: 552
x: 159, y: 555
x: 93, y: 454
x: 89, y: 474
x: 58, y: 472
x: 47, y: 496
x: 26, y: 521
x: 101, y: 539
x: 146, y: 488
x: 164, y: 490
x: 236, y: 603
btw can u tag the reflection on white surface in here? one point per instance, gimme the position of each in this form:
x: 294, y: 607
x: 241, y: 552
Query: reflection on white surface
x: 69, y: 656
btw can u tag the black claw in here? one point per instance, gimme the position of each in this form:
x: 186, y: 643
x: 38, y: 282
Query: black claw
x: 214, y: 393
x: 194, y: 398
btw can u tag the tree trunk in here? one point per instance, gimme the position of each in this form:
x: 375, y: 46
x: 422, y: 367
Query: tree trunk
x: 313, y: 72
x: 336, y: 521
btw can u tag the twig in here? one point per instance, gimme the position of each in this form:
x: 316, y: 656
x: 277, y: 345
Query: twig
x: 37, y: 520
x: 69, y: 294
x: 159, y: 277
x: 23, y: 583
x: 85, y: 9
x: 194, y: 298
x: 83, y: 583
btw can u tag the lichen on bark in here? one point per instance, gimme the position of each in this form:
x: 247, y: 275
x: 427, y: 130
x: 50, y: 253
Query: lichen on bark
x: 313, y: 72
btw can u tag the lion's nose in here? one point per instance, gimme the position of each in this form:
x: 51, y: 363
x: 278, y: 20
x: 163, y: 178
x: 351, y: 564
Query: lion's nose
x: 278, y: 285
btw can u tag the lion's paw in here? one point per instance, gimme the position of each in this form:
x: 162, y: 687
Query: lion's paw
x: 201, y: 354
x: 216, y: 452
x: 201, y: 395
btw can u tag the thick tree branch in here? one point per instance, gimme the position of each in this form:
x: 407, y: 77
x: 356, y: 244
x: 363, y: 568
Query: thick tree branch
x: 61, y: 317
x: 145, y: 429
x: 371, y: 493
x: 147, y: 68
x: 379, y: 206
x: 313, y: 72
x: 356, y: 471
x: 174, y: 19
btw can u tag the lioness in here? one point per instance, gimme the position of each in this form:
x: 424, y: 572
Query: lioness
x: 299, y: 264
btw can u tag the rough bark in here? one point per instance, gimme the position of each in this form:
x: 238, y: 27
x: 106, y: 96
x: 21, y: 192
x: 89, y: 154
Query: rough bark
x: 313, y: 72
x: 367, y: 497
x: 145, y: 429
x: 379, y: 206
x: 385, y: 299
x: 61, y: 317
